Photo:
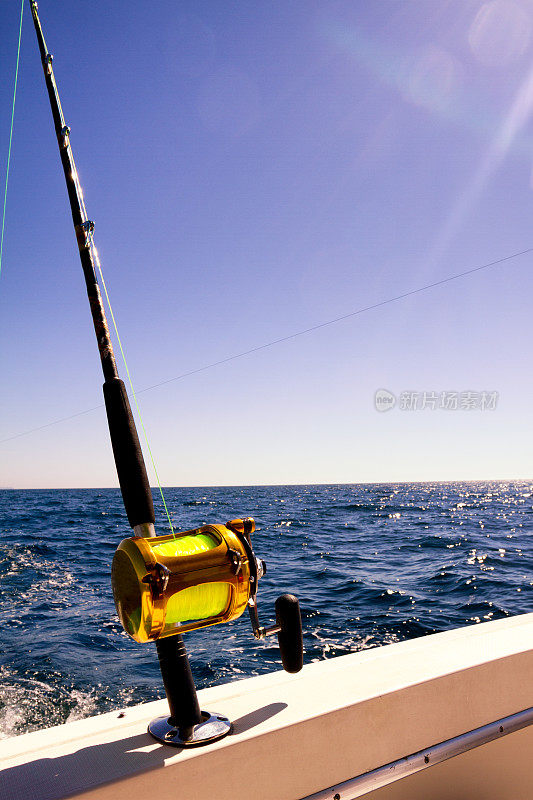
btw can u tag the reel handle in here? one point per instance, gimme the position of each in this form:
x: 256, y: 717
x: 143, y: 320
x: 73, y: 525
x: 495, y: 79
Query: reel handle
x: 288, y: 618
x: 289, y: 621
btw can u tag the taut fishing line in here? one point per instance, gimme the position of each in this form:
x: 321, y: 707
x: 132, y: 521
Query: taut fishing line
x: 99, y: 267
x: 287, y: 338
x: 11, y: 136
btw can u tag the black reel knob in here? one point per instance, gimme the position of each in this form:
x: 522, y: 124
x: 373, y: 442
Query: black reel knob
x: 290, y: 639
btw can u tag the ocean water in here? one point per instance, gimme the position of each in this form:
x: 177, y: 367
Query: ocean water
x: 371, y: 564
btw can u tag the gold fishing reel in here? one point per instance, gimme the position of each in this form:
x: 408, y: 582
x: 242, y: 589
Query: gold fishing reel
x: 164, y: 585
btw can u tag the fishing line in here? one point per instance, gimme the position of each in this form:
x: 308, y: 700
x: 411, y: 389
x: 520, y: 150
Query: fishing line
x: 99, y: 267
x: 11, y: 136
x: 285, y: 338
x: 337, y: 319
x: 96, y: 258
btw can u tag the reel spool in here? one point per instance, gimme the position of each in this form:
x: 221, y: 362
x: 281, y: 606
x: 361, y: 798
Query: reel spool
x: 172, y: 584
x: 167, y: 585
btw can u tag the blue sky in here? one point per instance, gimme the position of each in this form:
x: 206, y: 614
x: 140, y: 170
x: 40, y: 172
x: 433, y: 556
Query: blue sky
x: 254, y: 170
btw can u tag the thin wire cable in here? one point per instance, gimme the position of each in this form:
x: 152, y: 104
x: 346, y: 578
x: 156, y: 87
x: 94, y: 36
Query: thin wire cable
x: 11, y: 136
x: 389, y: 300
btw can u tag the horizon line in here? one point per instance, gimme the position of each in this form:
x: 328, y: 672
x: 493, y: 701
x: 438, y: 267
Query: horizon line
x: 155, y: 488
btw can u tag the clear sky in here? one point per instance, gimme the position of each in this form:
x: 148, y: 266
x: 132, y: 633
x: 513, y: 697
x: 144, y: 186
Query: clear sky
x: 255, y: 169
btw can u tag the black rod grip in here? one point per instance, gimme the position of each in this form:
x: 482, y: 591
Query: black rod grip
x: 129, y: 459
x: 179, y: 684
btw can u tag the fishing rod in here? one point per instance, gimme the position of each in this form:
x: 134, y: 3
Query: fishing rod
x: 166, y: 585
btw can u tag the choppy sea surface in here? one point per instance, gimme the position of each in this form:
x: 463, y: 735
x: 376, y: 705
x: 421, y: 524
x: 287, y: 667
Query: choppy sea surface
x: 371, y: 564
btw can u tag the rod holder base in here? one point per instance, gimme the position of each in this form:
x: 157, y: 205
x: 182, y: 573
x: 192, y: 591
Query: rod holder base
x: 213, y: 727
